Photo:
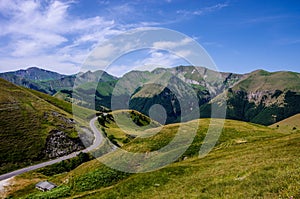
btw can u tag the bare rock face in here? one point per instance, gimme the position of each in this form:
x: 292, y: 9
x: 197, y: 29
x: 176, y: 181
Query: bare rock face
x: 267, y: 98
x: 59, y: 144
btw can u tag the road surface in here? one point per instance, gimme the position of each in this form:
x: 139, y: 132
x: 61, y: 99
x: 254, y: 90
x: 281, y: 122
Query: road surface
x: 97, y: 141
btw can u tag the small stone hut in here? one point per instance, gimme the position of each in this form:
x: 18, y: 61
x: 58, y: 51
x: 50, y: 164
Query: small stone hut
x: 45, y: 186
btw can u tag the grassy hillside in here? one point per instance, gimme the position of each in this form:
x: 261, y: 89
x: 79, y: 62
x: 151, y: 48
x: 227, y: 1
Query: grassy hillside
x: 124, y: 125
x: 261, y: 80
x: 83, y: 113
x: 291, y: 123
x: 264, y: 169
x: 27, y: 118
x: 249, y: 161
x: 262, y: 97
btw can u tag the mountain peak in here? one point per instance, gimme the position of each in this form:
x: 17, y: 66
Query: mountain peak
x: 34, y: 68
x: 34, y: 73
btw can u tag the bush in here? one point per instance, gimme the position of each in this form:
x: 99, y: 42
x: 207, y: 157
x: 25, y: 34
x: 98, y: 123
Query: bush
x: 66, y: 165
x: 101, y: 177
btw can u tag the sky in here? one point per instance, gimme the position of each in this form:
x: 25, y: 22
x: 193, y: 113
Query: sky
x: 239, y: 35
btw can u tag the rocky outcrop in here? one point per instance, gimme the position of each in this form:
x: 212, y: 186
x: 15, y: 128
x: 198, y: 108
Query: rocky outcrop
x: 59, y: 144
x: 267, y: 98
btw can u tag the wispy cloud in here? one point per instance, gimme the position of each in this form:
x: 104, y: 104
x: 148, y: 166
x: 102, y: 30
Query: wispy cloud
x: 104, y: 2
x: 212, y: 43
x: 266, y: 19
x: 287, y: 41
x: 203, y: 11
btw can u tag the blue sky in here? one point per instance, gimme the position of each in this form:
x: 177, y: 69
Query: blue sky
x: 239, y: 35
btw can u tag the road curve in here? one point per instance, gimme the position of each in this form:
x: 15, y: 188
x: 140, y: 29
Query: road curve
x: 97, y: 141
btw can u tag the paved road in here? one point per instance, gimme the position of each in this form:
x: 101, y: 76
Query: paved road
x: 97, y: 141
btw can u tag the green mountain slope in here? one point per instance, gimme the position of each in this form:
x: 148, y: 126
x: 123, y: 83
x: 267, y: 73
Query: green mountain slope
x: 262, y: 97
x: 261, y: 80
x: 291, y: 123
x: 124, y: 125
x: 169, y: 87
x: 35, y: 127
x: 249, y: 161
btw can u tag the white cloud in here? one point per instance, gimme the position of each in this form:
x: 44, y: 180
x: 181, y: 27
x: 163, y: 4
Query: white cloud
x: 160, y: 58
x: 105, y: 52
x: 36, y: 31
x: 180, y: 48
x: 184, y: 53
x: 171, y: 44
x: 204, y: 10
x: 118, y: 70
x: 154, y: 59
x: 50, y: 62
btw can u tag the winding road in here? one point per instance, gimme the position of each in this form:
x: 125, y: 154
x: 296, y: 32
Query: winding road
x: 97, y: 141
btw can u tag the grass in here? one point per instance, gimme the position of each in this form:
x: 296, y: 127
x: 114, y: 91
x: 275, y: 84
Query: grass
x: 291, y: 123
x: 263, y: 81
x: 267, y: 169
x: 26, y: 118
x: 126, y: 125
x: 81, y: 112
x: 249, y: 161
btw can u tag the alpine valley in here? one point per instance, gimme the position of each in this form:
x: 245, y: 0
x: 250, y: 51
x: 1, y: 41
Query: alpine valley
x: 256, y: 154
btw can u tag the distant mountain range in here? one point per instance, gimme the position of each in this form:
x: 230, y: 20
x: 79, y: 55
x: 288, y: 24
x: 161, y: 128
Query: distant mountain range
x: 260, y: 96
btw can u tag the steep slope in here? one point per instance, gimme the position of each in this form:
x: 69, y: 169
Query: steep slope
x: 249, y: 161
x: 82, y: 88
x: 200, y: 78
x: 262, y: 97
x: 34, y: 126
x: 261, y: 80
x: 177, y: 89
x: 291, y: 123
x: 124, y: 125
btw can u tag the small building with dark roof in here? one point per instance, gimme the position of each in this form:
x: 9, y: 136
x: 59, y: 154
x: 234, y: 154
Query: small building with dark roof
x: 45, y: 186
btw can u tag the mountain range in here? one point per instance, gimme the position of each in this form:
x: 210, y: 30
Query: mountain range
x: 260, y: 97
